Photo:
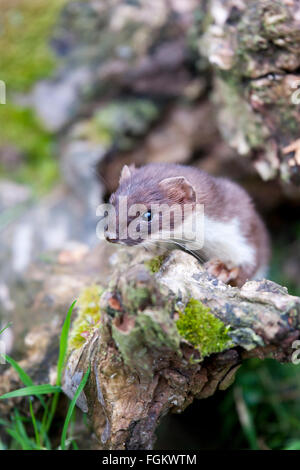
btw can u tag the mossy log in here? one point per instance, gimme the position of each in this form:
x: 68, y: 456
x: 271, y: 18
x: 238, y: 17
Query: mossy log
x: 159, y: 334
x: 169, y: 333
x: 254, y: 49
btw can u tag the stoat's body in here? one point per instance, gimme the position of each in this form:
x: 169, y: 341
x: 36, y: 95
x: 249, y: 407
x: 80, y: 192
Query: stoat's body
x: 234, y: 242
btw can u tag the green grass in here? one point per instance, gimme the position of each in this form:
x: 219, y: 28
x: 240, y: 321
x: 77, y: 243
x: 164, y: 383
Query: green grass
x: 44, y: 389
x: 72, y: 407
x: 32, y: 432
x: 264, y: 405
x: 5, y: 328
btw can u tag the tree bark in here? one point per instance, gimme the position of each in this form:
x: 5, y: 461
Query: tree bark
x: 254, y: 49
x: 141, y: 366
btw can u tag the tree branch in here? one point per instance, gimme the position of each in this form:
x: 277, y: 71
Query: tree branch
x: 143, y: 368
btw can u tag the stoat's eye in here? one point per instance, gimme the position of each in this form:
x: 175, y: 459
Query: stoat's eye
x: 147, y: 216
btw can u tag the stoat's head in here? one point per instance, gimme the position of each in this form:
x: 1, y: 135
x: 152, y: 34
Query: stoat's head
x: 141, y: 204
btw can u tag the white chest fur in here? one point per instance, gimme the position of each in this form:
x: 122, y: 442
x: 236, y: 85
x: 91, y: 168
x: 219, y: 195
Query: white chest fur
x: 222, y: 240
x: 226, y: 242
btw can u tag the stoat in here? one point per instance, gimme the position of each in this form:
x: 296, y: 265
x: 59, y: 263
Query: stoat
x: 233, y: 243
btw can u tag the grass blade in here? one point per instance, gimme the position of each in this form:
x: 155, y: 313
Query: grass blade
x: 63, y: 344
x: 36, y: 433
x: 25, y: 441
x: 245, y: 419
x: 2, y: 446
x: 294, y: 445
x: 15, y: 435
x: 72, y: 406
x: 5, y: 328
x: 32, y: 390
x: 22, y: 374
x: 74, y: 445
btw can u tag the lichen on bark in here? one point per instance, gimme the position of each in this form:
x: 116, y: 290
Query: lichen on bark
x: 172, y: 336
x: 88, y: 316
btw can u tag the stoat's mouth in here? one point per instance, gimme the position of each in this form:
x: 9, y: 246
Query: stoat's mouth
x: 169, y: 244
x: 127, y: 242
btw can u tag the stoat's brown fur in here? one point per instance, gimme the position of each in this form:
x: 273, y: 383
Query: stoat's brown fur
x: 236, y: 244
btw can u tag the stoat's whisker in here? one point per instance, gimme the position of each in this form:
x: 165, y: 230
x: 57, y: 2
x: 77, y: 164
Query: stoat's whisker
x: 191, y: 252
x: 180, y: 243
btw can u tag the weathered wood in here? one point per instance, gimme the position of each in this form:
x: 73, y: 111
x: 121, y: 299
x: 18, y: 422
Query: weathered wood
x: 143, y: 364
x: 142, y: 368
x: 254, y: 49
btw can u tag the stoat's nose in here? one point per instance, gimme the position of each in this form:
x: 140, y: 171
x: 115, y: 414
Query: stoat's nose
x: 111, y: 238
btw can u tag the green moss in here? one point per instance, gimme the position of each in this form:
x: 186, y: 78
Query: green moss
x: 20, y: 128
x: 200, y: 328
x: 25, y: 28
x: 137, y: 296
x: 147, y: 334
x: 88, y: 316
x: 154, y: 264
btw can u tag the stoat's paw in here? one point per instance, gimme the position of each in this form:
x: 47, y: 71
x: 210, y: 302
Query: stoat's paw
x: 222, y: 272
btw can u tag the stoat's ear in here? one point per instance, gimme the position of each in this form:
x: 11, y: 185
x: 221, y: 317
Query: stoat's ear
x: 126, y: 173
x: 178, y: 189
